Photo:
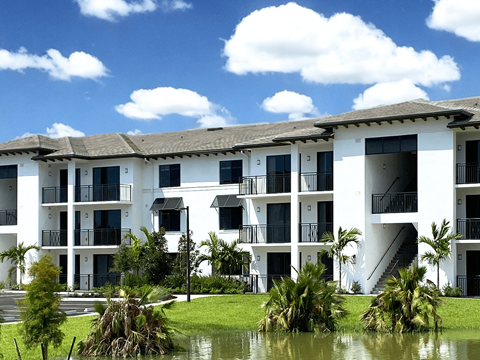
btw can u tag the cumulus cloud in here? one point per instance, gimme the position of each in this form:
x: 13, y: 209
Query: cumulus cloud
x: 134, y: 132
x: 173, y: 5
x: 460, y: 17
x: 148, y: 104
x: 111, y: 9
x: 388, y: 93
x: 78, y: 64
x: 58, y: 130
x: 298, y: 106
x: 340, y: 49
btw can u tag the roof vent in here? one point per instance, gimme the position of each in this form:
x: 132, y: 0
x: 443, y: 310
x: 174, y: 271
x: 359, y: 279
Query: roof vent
x: 215, y: 129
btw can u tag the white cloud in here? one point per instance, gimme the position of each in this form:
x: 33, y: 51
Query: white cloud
x: 111, y: 9
x: 460, y: 17
x: 298, y: 106
x: 78, y: 64
x: 134, y: 132
x: 150, y: 104
x: 58, y: 130
x: 172, y: 5
x: 388, y: 93
x: 339, y: 49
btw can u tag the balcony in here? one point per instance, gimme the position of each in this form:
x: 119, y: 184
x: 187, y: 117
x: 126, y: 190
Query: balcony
x: 469, y: 228
x: 91, y: 281
x: 8, y: 217
x: 312, y: 233
x: 264, y: 184
x: 316, y: 182
x: 264, y: 234
x: 91, y: 237
x: 468, y: 173
x: 88, y: 193
x: 402, y: 202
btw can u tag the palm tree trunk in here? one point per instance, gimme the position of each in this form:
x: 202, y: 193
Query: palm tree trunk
x: 438, y: 276
x: 339, y: 275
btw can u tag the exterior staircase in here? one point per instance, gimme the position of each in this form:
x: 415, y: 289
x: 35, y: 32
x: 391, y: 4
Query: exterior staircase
x: 404, y: 257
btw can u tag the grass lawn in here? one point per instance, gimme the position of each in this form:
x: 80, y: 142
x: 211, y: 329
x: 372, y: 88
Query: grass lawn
x: 231, y: 313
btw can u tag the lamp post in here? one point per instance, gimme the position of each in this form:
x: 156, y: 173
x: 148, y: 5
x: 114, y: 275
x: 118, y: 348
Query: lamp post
x: 188, y: 250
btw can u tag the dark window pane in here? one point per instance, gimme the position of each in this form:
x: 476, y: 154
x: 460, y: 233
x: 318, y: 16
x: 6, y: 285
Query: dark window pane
x: 169, y: 220
x: 169, y: 175
x: 230, y: 172
x: 391, y: 144
x: 409, y: 143
x: 230, y: 218
x: 373, y: 146
x: 8, y: 172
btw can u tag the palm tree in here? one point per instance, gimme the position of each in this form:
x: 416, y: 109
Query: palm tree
x: 308, y: 304
x: 232, y: 257
x: 214, y: 251
x: 343, y: 239
x: 440, y: 244
x: 16, y: 254
x: 404, y: 305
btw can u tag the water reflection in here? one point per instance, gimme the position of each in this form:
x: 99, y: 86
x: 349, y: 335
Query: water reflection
x: 252, y: 345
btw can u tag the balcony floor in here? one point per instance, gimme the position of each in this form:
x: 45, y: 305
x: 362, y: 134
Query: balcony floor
x: 395, y: 218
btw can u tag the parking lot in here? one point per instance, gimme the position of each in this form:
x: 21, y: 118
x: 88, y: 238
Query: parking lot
x: 72, y: 306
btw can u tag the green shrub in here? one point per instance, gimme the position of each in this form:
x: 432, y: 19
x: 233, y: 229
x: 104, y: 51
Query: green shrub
x: 212, y: 284
x: 356, y: 287
x: 448, y: 291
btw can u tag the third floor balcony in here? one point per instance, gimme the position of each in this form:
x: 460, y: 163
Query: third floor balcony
x: 265, y: 184
x: 468, y: 173
x: 87, y: 237
x: 88, y: 193
x: 265, y: 234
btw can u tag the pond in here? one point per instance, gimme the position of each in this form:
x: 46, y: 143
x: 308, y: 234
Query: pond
x: 251, y: 345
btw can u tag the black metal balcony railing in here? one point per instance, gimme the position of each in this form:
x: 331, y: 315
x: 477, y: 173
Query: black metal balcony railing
x: 469, y: 228
x: 468, y: 173
x: 316, y: 182
x: 314, y: 232
x: 8, y: 217
x: 270, y: 234
x: 88, y: 193
x: 91, y: 281
x: 470, y: 284
x: 91, y: 237
x: 264, y: 184
x: 404, y: 202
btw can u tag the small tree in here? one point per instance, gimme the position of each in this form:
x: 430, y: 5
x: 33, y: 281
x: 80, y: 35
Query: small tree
x: 214, y: 247
x: 440, y: 244
x: 339, y: 244
x: 17, y: 254
x: 40, y: 313
x: 180, y: 263
x: 154, y: 259
x: 233, y: 258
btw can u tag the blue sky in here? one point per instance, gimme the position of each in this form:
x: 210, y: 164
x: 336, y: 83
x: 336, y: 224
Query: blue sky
x: 83, y: 67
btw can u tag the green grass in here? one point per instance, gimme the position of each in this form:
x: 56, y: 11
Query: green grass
x: 237, y: 313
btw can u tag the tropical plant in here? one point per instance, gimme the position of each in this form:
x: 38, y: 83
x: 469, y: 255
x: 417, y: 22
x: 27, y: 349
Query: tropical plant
x: 233, y: 258
x: 214, y: 247
x: 40, y: 312
x: 308, y: 304
x: 356, y: 287
x: 344, y: 238
x: 440, y: 244
x: 180, y: 263
x: 17, y: 254
x: 405, y: 304
x: 449, y: 291
x: 127, y: 258
x: 129, y: 328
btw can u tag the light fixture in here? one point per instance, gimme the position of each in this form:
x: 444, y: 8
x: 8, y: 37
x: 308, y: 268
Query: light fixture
x: 258, y: 208
x: 49, y: 216
x: 86, y: 259
x: 49, y: 173
x: 459, y: 201
x: 459, y: 256
x: 126, y: 213
x: 384, y: 226
x: 384, y: 167
x: 308, y: 157
x: 258, y: 257
x: 126, y: 170
x: 10, y: 188
x: 86, y: 215
x: 258, y: 162
x: 309, y: 257
x: 86, y: 172
x: 309, y: 208
x: 459, y: 147
x: 354, y: 259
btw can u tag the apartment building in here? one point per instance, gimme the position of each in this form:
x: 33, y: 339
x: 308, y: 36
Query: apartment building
x: 390, y: 171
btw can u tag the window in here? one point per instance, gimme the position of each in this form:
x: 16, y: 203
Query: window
x: 169, y: 175
x: 391, y: 145
x: 230, y: 172
x: 169, y: 220
x: 230, y: 218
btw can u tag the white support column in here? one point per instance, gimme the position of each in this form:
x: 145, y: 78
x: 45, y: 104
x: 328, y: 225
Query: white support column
x: 294, y: 210
x: 71, y: 224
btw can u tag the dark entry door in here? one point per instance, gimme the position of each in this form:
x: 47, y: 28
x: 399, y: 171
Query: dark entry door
x: 278, y: 174
x: 278, y: 223
x: 63, y: 263
x: 325, y: 171
x: 101, y: 266
x: 324, y: 217
x: 106, y: 182
x: 63, y: 228
x: 278, y: 265
x: 63, y: 185
x: 472, y: 223
x: 473, y: 273
x: 328, y: 262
